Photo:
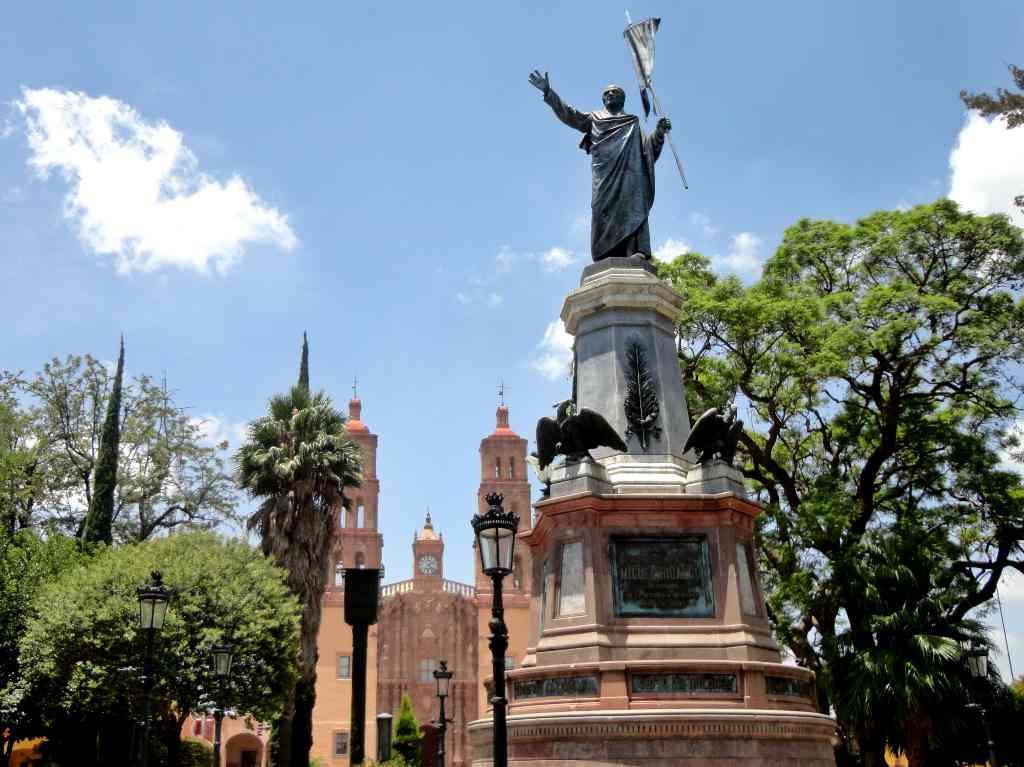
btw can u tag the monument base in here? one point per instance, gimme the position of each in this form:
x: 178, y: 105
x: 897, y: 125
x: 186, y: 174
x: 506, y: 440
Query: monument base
x: 681, y: 738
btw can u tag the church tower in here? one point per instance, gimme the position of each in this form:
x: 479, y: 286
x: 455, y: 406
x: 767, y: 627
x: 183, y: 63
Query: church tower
x: 503, y: 470
x: 428, y: 557
x: 358, y: 545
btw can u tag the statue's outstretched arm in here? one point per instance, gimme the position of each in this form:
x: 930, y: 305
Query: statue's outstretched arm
x: 572, y: 117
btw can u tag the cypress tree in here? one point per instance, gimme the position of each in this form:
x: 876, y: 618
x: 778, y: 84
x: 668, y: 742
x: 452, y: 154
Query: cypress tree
x: 304, y: 365
x: 100, y: 518
x: 407, y: 737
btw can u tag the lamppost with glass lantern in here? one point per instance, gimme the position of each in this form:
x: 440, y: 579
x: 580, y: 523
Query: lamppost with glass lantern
x: 443, y: 677
x: 153, y: 599
x: 222, y: 655
x: 977, y: 664
x: 496, y: 541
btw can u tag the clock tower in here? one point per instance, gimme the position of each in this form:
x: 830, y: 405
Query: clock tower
x: 427, y: 557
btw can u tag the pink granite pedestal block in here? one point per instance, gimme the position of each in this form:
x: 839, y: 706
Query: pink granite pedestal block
x: 602, y: 688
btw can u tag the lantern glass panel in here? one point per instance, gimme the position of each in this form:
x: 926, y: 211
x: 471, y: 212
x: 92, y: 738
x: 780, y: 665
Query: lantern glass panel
x: 977, y: 662
x: 506, y: 542
x: 488, y: 544
x: 159, y: 613
x: 443, y: 679
x: 145, y: 613
x: 222, y: 661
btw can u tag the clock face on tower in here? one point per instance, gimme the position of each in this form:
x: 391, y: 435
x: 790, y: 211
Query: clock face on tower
x: 428, y: 565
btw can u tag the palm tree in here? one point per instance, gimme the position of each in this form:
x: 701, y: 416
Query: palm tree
x: 905, y: 680
x: 298, y: 460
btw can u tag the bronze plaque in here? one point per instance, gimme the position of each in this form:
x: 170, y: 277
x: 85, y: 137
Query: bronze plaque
x: 556, y: 686
x: 787, y: 685
x: 668, y: 577
x: 684, y: 684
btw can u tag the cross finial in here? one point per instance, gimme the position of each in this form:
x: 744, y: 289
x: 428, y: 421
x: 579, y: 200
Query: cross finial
x: 355, y: 387
x: 501, y: 393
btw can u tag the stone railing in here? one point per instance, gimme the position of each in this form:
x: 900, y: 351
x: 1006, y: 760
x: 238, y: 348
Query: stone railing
x: 390, y: 589
x: 403, y: 587
x: 462, y: 589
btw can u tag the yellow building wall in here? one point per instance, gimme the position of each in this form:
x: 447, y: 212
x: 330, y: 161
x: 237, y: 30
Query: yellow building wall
x: 333, y: 710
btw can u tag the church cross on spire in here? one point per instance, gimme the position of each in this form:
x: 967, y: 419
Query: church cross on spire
x: 501, y: 393
x: 355, y: 389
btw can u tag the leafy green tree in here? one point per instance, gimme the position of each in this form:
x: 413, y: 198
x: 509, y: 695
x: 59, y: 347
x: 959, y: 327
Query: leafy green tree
x: 1004, y: 104
x: 27, y: 562
x: 298, y: 461
x: 22, y: 478
x: 168, y: 477
x: 876, y: 365
x: 407, y: 737
x: 99, y: 520
x: 81, y: 651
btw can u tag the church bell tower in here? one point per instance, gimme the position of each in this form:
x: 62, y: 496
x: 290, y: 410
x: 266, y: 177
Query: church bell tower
x: 503, y: 470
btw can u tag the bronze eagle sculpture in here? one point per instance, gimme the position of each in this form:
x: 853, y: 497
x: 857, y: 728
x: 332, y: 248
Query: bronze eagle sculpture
x: 716, y: 432
x: 574, y: 435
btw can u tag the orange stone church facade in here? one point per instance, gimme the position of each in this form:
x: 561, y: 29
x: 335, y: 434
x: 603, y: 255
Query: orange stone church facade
x: 421, y: 621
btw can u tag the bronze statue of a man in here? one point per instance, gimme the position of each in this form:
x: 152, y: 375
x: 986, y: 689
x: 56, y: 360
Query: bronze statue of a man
x: 622, y: 160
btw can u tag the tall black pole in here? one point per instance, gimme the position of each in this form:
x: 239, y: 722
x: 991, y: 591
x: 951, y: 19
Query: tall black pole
x: 442, y: 730
x: 988, y: 738
x: 147, y: 694
x: 360, y: 632
x: 218, y: 716
x: 361, y: 587
x: 499, y: 643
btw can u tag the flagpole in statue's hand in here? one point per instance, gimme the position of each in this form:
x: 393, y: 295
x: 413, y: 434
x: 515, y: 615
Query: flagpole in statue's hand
x: 671, y: 144
x: 640, y: 38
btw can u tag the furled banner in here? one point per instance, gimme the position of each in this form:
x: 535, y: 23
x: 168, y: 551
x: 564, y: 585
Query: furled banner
x: 640, y: 37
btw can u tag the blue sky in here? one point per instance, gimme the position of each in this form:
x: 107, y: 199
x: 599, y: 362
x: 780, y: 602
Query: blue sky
x: 384, y: 177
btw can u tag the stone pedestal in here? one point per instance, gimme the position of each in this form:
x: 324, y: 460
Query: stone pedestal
x: 650, y: 644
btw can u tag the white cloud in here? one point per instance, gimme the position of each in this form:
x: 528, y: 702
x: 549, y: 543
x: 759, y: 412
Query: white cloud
x: 703, y: 222
x: 216, y: 429
x: 135, y: 190
x: 556, y: 259
x: 745, y: 256
x: 986, y: 172
x: 555, y: 352
x: 504, y: 259
x: 671, y: 248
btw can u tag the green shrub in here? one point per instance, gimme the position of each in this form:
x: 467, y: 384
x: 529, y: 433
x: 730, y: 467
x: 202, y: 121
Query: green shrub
x: 406, y: 742
x: 195, y: 753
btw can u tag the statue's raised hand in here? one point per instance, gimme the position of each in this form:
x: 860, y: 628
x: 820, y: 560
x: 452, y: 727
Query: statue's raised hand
x: 539, y: 81
x: 664, y: 126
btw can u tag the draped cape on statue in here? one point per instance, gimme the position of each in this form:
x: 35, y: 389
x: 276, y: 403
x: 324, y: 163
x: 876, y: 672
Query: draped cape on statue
x: 622, y: 161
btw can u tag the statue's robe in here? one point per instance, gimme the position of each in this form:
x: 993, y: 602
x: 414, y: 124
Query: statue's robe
x: 622, y: 160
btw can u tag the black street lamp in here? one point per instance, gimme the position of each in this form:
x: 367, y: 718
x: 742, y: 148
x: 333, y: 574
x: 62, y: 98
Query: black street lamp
x: 222, y: 655
x: 443, y: 677
x: 977, y: 664
x: 496, y: 541
x: 362, y: 589
x: 153, y: 599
